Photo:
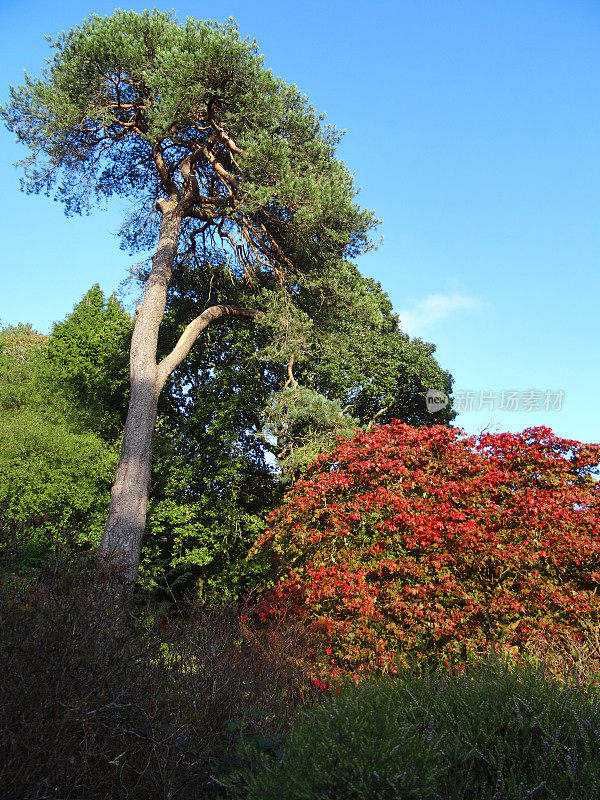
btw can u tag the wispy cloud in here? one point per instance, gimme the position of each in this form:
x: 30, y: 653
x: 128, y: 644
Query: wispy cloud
x: 424, y: 314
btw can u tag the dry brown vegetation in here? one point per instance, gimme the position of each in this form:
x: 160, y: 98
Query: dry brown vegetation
x: 112, y: 699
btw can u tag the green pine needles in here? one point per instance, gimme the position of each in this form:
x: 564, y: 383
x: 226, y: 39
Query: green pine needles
x: 124, y: 89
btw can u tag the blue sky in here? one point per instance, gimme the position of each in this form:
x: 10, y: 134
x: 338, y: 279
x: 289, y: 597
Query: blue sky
x: 473, y: 130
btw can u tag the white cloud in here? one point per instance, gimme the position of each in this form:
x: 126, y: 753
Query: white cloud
x: 424, y: 314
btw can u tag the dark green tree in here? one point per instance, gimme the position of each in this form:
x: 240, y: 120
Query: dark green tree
x: 328, y: 359
x: 88, y: 355
x: 215, y: 153
x: 231, y: 436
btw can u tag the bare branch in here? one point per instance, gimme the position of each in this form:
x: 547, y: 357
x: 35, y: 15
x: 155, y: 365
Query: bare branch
x: 165, y: 176
x: 207, y: 213
x: 247, y: 234
x: 191, y: 190
x: 191, y: 333
x: 226, y: 176
x: 131, y: 124
x: 274, y: 244
x: 378, y: 414
x: 226, y: 139
x: 291, y: 381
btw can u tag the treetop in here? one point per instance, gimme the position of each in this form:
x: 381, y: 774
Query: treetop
x: 143, y: 106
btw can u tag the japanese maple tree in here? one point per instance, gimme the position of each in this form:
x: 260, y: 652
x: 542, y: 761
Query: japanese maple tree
x: 424, y: 542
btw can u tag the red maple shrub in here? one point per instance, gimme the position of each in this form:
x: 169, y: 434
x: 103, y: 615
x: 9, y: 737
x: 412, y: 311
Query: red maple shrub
x: 407, y: 543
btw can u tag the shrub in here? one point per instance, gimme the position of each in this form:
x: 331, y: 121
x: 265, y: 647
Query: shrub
x: 48, y: 469
x: 21, y: 553
x: 496, y: 733
x: 406, y: 544
x: 112, y: 699
x: 52, y: 463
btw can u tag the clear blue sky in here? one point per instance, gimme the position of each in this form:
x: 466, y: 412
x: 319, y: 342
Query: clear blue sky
x: 473, y: 129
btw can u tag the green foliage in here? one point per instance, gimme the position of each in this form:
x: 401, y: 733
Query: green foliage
x: 88, y: 356
x: 46, y: 467
x: 307, y: 423
x: 20, y: 372
x: 225, y: 418
x: 120, y: 88
x: 200, y: 546
x: 496, y: 732
x: 19, y: 342
x: 354, y: 351
x: 22, y: 553
x: 50, y: 463
x: 335, y: 329
x: 209, y: 500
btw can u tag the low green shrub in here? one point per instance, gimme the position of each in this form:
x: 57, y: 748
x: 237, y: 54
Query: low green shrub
x: 497, y: 733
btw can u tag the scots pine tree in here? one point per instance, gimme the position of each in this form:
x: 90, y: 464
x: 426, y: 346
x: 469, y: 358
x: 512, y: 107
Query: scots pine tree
x: 219, y: 158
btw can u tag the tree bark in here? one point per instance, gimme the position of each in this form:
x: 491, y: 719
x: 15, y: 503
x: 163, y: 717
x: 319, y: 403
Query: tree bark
x: 121, y: 543
x: 122, y: 538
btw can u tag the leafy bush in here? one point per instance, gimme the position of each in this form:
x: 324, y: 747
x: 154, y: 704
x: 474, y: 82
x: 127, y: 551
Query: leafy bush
x: 407, y: 543
x: 51, y: 463
x: 497, y: 733
x: 22, y: 552
x: 47, y: 468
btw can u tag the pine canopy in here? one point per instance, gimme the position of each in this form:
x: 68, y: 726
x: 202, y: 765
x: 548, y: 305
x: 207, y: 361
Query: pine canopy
x: 142, y: 106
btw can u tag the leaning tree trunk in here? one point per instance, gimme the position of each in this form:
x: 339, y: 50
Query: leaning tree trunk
x: 121, y: 543
x: 122, y: 539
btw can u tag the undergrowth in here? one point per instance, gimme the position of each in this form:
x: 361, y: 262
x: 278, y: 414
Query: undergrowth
x: 116, y: 699
x: 102, y: 699
x: 497, y: 733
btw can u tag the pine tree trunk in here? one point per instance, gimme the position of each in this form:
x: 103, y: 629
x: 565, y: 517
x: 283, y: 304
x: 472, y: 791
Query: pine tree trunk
x: 121, y: 542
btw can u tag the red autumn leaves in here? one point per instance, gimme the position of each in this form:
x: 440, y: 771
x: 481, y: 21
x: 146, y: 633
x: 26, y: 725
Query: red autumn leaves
x: 422, y: 541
